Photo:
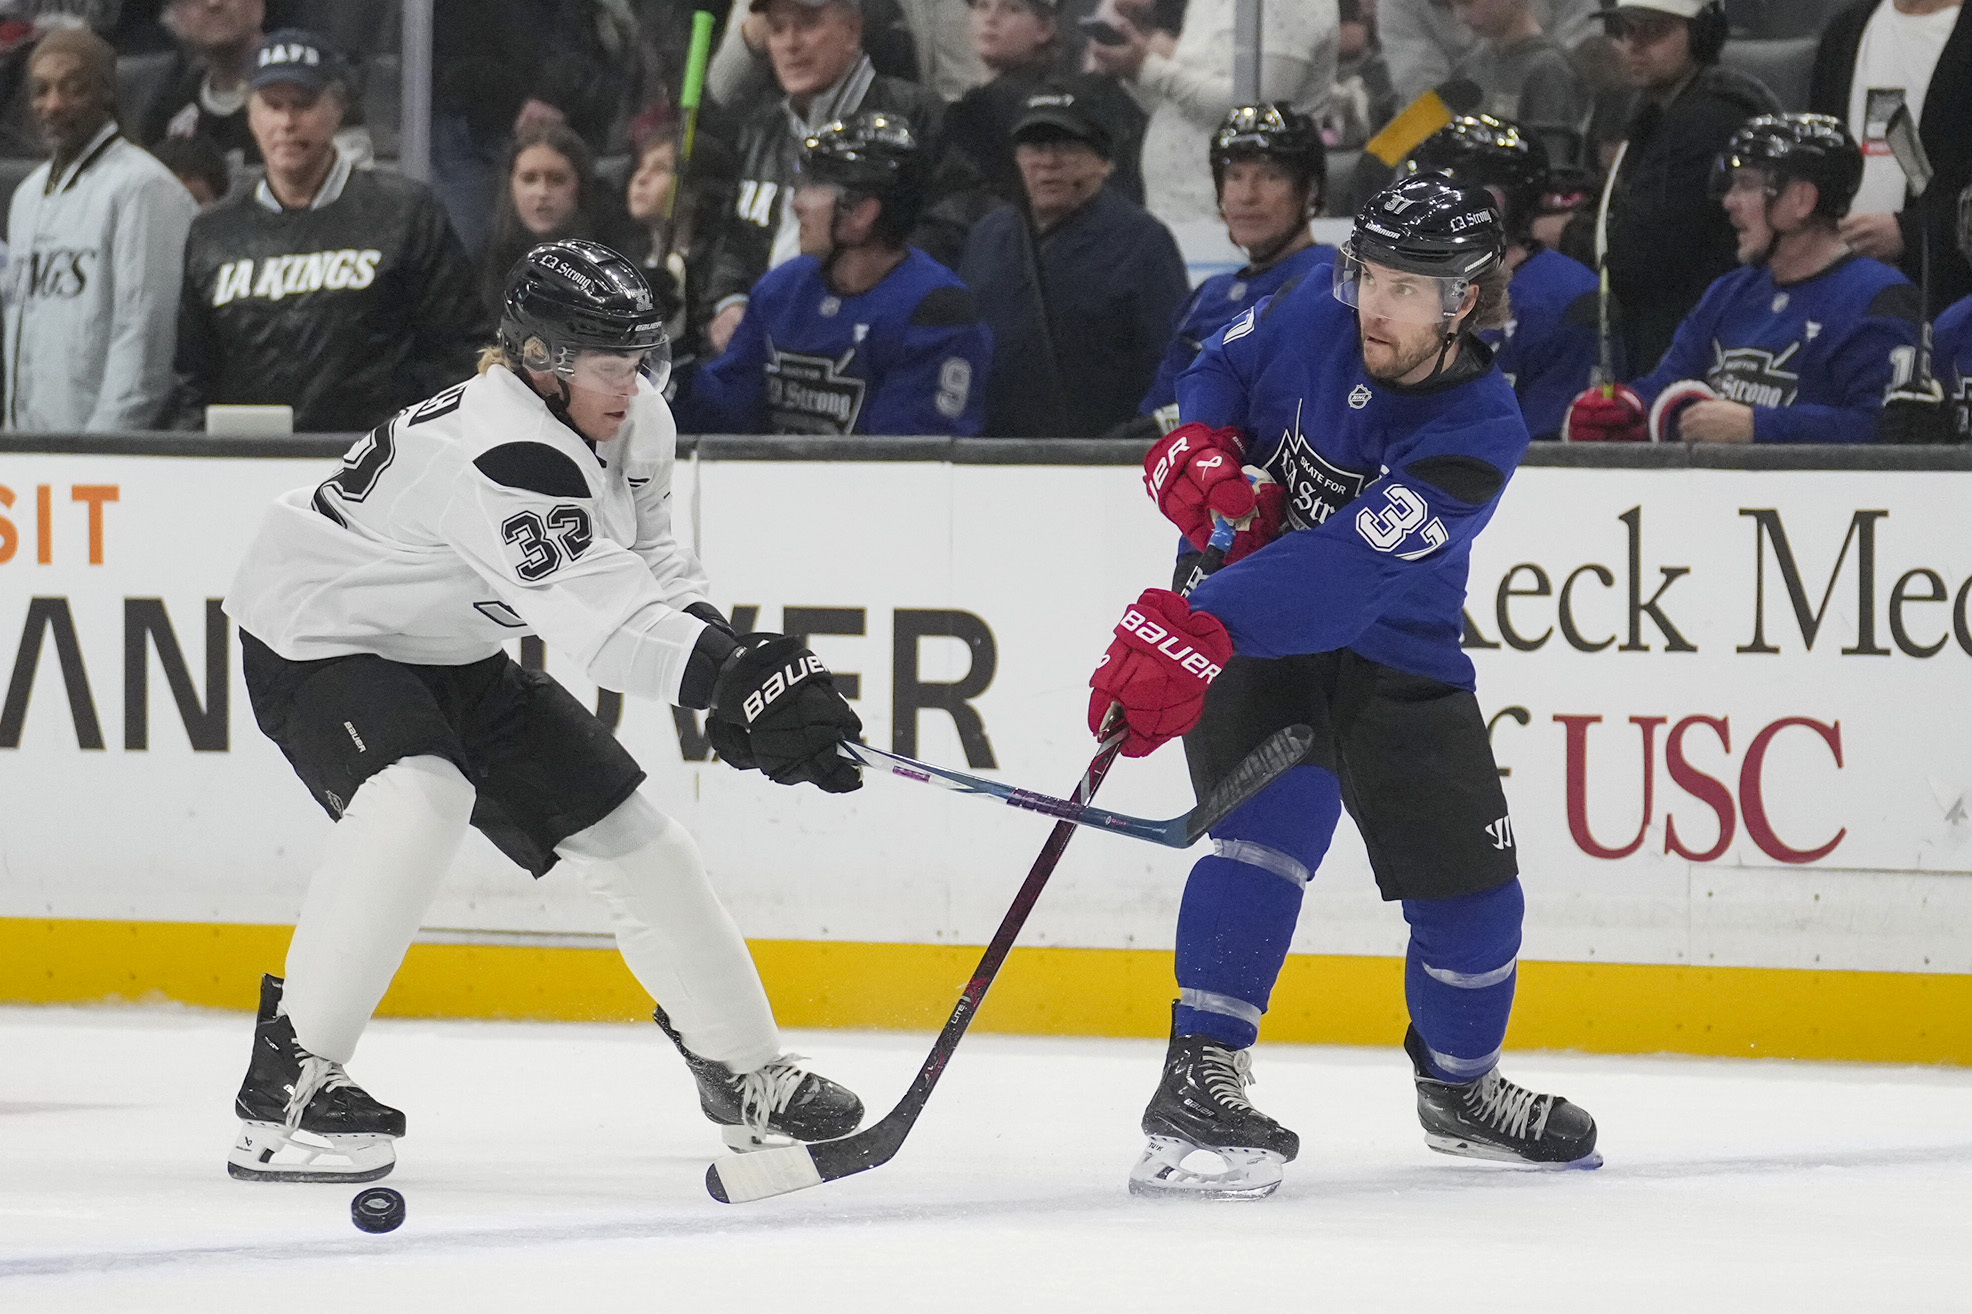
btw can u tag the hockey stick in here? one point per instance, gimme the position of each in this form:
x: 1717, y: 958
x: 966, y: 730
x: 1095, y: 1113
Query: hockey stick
x: 738, y: 1179
x: 1286, y: 746
x: 1915, y: 161
x: 1605, y: 367
x: 697, y: 56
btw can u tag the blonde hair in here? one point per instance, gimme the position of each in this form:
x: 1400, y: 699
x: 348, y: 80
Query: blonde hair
x: 494, y: 354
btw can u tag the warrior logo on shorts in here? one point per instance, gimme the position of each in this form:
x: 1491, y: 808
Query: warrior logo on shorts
x: 1316, y: 489
x: 1754, y: 375
x: 1501, y: 833
x: 812, y: 394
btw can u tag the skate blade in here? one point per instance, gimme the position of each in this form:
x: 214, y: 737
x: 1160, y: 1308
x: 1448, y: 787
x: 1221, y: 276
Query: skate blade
x: 745, y: 1140
x: 1463, y: 1147
x: 269, y: 1152
x: 1174, y: 1169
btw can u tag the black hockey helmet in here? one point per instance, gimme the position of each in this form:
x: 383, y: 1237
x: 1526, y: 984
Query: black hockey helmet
x: 872, y: 154
x: 569, y: 297
x: 1443, y: 236
x: 1277, y: 132
x: 1478, y: 150
x: 1815, y: 148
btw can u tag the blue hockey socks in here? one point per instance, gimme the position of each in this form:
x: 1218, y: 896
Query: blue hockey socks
x: 1459, y: 975
x: 1242, y: 901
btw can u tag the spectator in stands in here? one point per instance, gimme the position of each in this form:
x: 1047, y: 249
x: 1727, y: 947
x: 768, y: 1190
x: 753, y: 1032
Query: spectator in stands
x: 1080, y: 287
x: 204, y: 93
x: 1020, y: 42
x: 948, y: 59
x: 551, y: 193
x: 861, y: 333
x: 500, y: 66
x: 1362, y: 100
x: 817, y: 53
x: 1524, y: 75
x: 1874, y: 56
x: 197, y: 163
x: 1270, y: 170
x: 1802, y: 342
x: 675, y: 247
x: 1668, y: 239
x: 1185, y: 83
x: 338, y: 291
x: 1422, y: 40
x: 741, y: 74
x: 96, y: 241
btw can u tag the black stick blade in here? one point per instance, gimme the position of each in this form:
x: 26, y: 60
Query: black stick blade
x: 1280, y: 753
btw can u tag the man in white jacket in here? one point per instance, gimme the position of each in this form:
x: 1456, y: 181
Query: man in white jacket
x: 96, y: 240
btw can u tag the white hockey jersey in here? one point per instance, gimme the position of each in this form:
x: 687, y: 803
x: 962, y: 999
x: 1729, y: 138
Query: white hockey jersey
x: 474, y: 517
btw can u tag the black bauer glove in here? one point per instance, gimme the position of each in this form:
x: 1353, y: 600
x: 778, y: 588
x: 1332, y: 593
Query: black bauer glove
x: 775, y: 707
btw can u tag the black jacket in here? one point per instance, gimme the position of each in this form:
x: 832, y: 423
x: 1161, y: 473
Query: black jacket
x: 347, y: 313
x: 1668, y: 238
x: 1111, y: 285
x: 768, y: 151
x: 1945, y: 130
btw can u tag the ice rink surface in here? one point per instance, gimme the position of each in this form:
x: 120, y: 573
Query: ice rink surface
x: 560, y: 1167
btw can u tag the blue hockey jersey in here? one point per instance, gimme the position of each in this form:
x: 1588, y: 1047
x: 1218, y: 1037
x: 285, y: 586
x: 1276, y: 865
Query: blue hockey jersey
x: 1386, y: 486
x: 1549, y: 348
x: 909, y: 356
x: 1213, y: 305
x: 1814, y: 359
x: 1951, y: 362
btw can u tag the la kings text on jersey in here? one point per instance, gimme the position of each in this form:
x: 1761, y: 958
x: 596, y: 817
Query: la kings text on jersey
x: 476, y: 516
x: 1386, y: 486
x: 1813, y: 359
x: 909, y: 356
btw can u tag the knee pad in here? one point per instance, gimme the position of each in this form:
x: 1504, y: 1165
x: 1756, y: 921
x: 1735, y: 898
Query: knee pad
x: 1468, y: 937
x: 1285, y: 828
x: 635, y: 824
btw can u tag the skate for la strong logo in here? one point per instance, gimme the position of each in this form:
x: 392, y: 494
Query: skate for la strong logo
x: 1316, y: 489
x: 1754, y: 375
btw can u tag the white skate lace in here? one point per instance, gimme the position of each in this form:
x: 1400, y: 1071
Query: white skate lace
x: 1227, y: 1074
x: 1509, y: 1108
x: 317, y: 1075
x: 766, y: 1090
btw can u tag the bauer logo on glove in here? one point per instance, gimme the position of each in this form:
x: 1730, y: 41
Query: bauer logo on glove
x: 1164, y: 657
x: 779, y: 683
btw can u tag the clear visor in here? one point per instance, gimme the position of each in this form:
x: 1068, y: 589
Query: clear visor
x: 1379, y: 292
x: 1729, y: 177
x: 615, y: 373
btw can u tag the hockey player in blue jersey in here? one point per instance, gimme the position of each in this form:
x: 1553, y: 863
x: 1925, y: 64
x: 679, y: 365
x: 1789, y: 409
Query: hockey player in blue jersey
x: 1364, y: 392
x: 1270, y: 170
x: 1803, y: 342
x: 1548, y: 347
x: 1951, y: 339
x: 861, y: 333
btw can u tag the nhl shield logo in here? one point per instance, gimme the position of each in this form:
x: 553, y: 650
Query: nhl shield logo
x: 1360, y: 397
x: 1780, y: 303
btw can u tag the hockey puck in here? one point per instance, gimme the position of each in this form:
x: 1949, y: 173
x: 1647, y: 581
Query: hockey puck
x: 378, y: 1209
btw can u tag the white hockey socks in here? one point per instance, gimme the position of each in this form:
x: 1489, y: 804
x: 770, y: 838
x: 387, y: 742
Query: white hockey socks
x: 675, y: 935
x: 382, y: 866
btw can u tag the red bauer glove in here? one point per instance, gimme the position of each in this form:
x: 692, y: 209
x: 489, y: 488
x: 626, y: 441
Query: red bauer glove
x: 1618, y: 418
x: 1194, y: 472
x: 1163, y: 658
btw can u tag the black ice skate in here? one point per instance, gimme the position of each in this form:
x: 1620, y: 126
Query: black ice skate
x: 773, y: 1106
x: 302, y: 1118
x: 1206, y: 1141
x: 1491, y: 1118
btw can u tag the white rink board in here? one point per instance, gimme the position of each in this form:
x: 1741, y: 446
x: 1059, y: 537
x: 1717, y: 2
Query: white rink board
x: 1045, y: 557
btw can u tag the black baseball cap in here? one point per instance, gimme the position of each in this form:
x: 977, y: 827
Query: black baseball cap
x: 292, y: 55
x: 1056, y: 112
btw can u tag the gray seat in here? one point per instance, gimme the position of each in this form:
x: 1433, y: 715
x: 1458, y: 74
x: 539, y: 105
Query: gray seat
x: 139, y: 80
x: 383, y: 102
x: 1773, y: 19
x: 1784, y: 64
x: 13, y: 169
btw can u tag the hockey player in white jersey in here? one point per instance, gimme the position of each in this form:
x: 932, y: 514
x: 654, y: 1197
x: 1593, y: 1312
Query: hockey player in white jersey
x: 372, y: 609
